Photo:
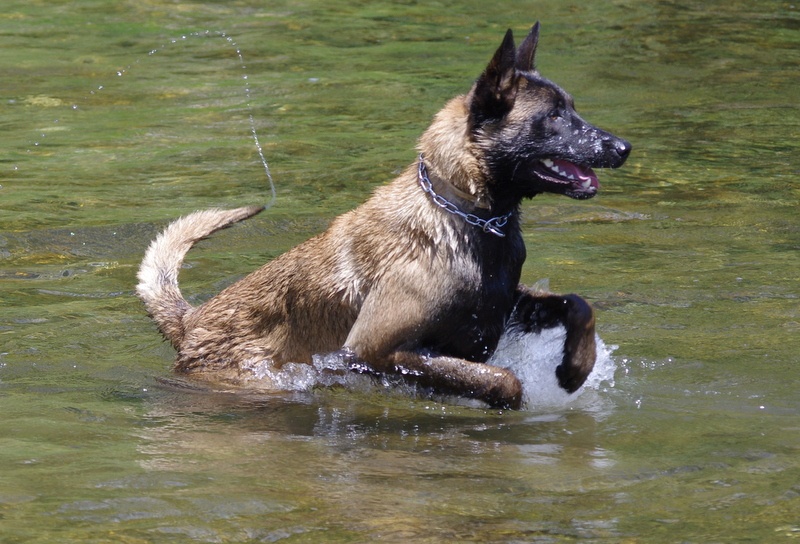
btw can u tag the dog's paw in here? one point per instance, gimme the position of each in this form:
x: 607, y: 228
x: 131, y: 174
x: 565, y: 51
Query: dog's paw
x: 504, y: 392
x: 580, y: 349
x: 534, y: 312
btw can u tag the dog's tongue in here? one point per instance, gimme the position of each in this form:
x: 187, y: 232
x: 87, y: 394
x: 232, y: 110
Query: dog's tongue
x: 582, y: 173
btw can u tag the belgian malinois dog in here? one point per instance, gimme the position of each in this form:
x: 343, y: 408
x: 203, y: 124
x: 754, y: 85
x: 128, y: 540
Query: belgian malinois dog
x: 422, y: 279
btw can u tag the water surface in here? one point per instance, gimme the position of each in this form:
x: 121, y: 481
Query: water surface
x: 689, y: 254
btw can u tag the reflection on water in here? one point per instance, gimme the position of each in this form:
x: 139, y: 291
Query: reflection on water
x: 340, y: 458
x: 689, y: 254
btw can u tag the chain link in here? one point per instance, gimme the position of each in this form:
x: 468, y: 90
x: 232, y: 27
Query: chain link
x: 494, y: 225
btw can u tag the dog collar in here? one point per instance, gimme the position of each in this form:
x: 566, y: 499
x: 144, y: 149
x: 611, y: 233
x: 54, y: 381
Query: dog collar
x: 494, y: 225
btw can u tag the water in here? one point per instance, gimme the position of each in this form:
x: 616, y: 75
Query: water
x: 689, y: 254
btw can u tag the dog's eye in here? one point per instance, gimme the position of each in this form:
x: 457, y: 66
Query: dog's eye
x: 555, y: 115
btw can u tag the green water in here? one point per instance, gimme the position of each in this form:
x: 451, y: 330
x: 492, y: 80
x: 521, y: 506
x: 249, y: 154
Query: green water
x: 691, y: 255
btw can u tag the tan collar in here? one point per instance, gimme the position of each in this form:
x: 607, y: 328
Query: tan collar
x: 463, y: 195
x: 493, y: 225
x: 450, y: 191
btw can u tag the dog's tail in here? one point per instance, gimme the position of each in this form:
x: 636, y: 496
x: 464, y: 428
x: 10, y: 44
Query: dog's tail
x: 158, y: 274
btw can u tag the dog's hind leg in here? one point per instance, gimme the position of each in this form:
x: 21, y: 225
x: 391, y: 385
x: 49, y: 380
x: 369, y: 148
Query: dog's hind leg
x: 536, y: 311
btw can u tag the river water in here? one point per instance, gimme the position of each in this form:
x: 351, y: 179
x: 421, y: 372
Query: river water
x: 120, y: 116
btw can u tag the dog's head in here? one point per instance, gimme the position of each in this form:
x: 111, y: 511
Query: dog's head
x: 532, y: 138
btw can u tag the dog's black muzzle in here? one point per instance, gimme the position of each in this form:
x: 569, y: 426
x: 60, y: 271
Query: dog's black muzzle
x: 616, y: 150
x: 613, y: 151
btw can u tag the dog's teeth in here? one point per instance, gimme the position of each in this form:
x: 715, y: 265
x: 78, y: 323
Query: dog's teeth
x: 548, y: 163
x: 586, y: 184
x: 571, y: 177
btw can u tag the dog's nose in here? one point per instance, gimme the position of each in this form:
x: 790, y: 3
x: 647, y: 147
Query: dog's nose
x: 620, y: 149
x: 623, y: 148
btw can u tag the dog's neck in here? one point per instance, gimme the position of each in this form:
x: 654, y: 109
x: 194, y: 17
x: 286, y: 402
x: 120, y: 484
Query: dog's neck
x: 445, y: 189
x: 492, y: 225
x: 452, y: 158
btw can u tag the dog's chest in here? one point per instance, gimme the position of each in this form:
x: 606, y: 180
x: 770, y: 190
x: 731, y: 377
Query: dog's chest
x: 485, y: 283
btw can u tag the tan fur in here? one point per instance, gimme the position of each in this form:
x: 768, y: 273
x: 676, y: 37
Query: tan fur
x: 456, y: 159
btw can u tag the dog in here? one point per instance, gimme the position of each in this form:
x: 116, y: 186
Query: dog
x: 420, y: 281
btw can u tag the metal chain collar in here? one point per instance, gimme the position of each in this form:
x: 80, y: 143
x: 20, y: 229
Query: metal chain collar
x: 494, y: 225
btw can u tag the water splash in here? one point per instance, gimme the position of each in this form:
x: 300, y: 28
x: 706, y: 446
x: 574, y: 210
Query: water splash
x: 325, y: 371
x: 534, y: 358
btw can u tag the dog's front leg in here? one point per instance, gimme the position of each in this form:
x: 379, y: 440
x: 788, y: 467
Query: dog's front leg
x: 536, y: 311
x: 393, y: 331
x: 497, y: 387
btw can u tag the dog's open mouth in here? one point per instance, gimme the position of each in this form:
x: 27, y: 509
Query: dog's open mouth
x: 567, y: 178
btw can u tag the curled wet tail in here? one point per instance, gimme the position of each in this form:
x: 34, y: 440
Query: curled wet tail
x: 158, y: 273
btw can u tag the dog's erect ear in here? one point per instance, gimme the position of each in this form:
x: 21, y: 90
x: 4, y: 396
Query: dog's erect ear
x: 527, y: 51
x: 495, y: 91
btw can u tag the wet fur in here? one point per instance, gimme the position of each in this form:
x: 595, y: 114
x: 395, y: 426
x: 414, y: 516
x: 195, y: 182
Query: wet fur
x: 398, y: 285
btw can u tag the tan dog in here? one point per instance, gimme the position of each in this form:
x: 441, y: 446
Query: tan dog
x: 422, y: 279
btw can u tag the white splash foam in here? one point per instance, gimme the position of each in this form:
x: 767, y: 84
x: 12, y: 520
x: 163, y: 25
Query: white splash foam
x: 325, y: 371
x: 534, y: 358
